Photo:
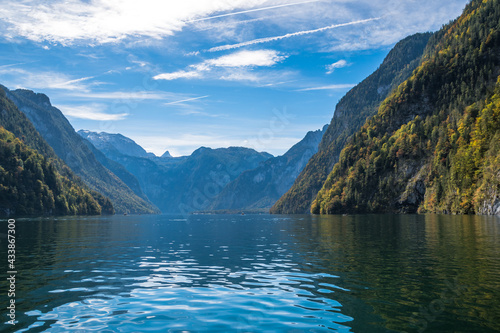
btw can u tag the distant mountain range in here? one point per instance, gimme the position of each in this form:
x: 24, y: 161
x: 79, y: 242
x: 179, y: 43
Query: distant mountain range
x: 232, y: 178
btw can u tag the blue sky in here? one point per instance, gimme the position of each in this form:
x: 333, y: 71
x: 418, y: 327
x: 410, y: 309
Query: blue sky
x: 179, y: 75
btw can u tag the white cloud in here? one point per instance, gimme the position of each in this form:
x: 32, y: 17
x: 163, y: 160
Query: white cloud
x: 232, y: 65
x: 104, y: 21
x: 248, y: 59
x: 90, y: 112
x: 178, y: 75
x: 329, y: 87
x: 339, y: 64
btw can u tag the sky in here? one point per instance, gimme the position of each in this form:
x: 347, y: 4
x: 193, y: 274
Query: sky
x: 177, y: 75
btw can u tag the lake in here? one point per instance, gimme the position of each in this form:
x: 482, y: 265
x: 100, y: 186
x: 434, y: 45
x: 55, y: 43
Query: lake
x: 256, y: 273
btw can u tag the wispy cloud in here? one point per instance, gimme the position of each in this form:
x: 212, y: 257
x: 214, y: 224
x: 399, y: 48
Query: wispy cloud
x: 329, y: 87
x: 128, y: 95
x: 294, y: 34
x: 250, y: 11
x: 241, y: 76
x: 21, y: 78
x: 226, y: 24
x: 92, y: 111
x: 339, y: 64
x: 11, y: 65
x: 192, y: 112
x: 183, y: 144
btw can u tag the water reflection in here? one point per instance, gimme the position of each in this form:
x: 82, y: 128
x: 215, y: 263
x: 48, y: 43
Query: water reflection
x: 401, y: 266
x: 257, y: 273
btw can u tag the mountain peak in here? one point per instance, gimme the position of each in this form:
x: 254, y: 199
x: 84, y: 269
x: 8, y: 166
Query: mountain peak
x: 117, y: 143
x: 38, y: 98
x: 166, y: 154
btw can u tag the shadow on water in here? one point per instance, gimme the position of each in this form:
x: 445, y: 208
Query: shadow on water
x: 365, y: 273
x: 416, y: 273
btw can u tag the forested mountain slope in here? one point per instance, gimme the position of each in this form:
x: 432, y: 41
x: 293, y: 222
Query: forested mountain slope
x: 434, y: 144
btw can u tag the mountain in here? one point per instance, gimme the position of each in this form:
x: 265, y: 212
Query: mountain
x: 119, y: 170
x: 434, y: 145
x: 33, y: 180
x: 166, y: 154
x: 71, y: 148
x: 263, y: 186
x: 360, y: 103
x: 31, y: 185
x: 183, y: 184
x: 121, y: 144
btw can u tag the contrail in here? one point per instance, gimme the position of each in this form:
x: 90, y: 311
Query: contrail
x: 78, y: 80
x: 300, y: 33
x: 250, y: 11
x: 186, y: 100
x: 330, y: 87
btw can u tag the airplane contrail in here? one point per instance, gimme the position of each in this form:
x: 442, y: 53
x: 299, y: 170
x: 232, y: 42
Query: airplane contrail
x: 186, y: 100
x: 299, y: 33
x: 250, y: 11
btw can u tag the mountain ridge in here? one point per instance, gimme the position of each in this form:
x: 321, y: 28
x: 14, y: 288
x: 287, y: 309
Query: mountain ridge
x: 261, y: 187
x: 70, y: 147
x: 188, y: 183
x: 49, y: 174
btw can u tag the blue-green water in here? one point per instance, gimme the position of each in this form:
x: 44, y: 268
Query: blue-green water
x: 256, y: 273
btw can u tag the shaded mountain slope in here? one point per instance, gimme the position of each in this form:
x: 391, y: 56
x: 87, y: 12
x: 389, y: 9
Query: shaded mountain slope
x: 71, y: 148
x: 34, y: 181
x: 263, y: 186
x: 351, y: 112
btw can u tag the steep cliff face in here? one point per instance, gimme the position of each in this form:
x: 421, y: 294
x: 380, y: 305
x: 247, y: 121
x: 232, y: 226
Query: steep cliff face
x: 261, y: 187
x: 33, y: 180
x: 351, y: 112
x: 433, y: 145
x: 70, y: 147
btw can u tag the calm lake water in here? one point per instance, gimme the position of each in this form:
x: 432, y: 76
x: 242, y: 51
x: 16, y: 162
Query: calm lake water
x: 256, y: 273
